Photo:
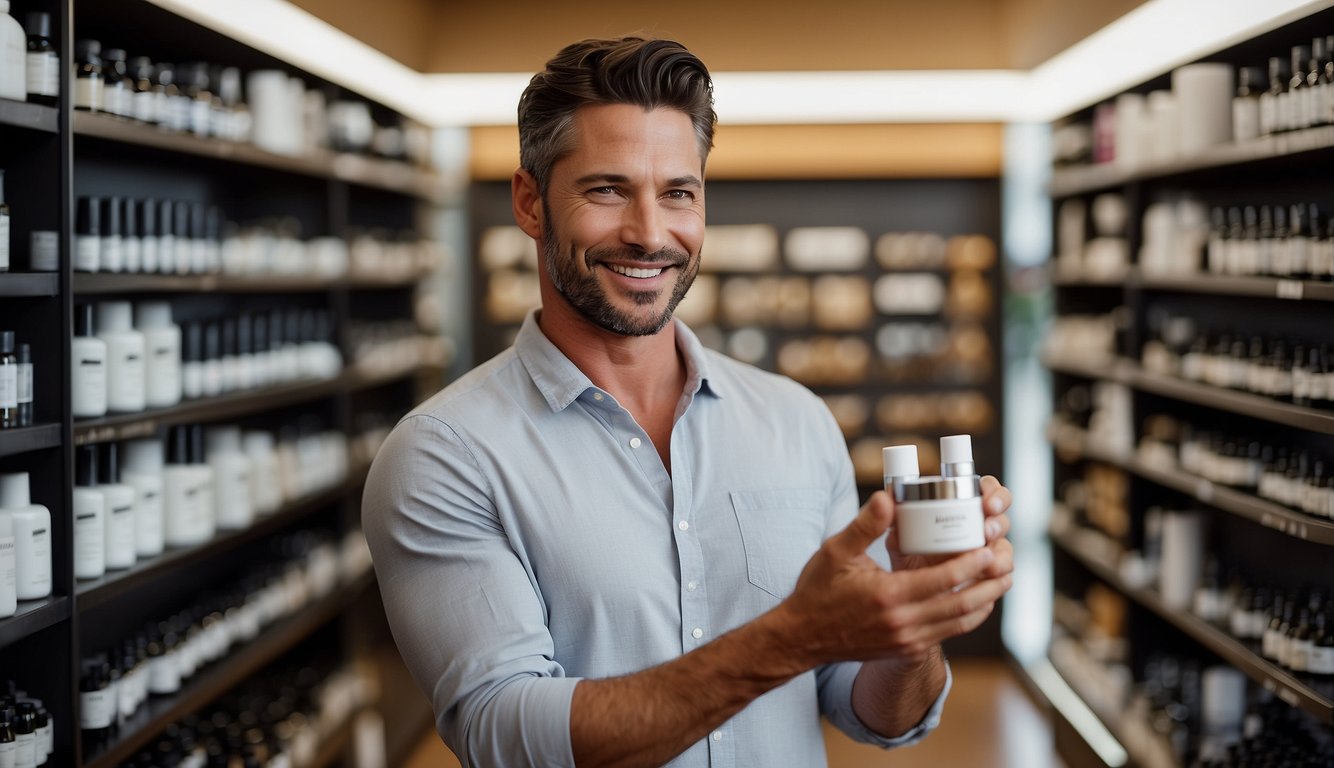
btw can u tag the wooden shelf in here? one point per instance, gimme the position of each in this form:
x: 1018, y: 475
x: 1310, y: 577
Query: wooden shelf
x: 157, y: 713
x: 34, y: 117
x: 90, y: 594
x: 1268, y: 514
x: 1066, y: 182
x: 1250, y: 287
x: 1283, y: 684
x: 103, y: 283
x: 25, y: 439
x: 354, y: 169
x: 33, y: 616
x: 23, y: 284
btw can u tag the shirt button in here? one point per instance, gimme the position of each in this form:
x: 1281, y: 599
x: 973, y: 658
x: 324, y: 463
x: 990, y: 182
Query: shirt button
x: 717, y: 735
x: 692, y: 586
x: 634, y: 442
x: 683, y: 525
x: 697, y: 633
x: 597, y: 396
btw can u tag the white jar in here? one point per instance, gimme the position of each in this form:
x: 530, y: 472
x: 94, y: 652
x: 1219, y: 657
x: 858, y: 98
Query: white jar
x: 936, y: 514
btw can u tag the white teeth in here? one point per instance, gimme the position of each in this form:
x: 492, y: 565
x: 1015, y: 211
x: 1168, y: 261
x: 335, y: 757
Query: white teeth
x: 633, y: 272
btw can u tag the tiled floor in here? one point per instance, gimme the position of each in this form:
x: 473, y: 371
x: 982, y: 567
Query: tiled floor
x: 988, y: 723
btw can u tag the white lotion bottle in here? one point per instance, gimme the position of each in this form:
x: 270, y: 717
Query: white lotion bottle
x: 125, y: 357
x: 88, y: 367
x: 936, y: 514
x: 120, y: 510
x: 162, y: 339
x: 90, y: 550
x: 179, y: 491
x: 142, y: 470
x: 233, y: 502
x: 9, y: 596
x: 266, y: 482
x: 13, y: 56
x: 32, y: 537
x: 205, y: 524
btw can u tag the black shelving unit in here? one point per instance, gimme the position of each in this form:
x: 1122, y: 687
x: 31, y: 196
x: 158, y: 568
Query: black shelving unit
x: 56, y: 155
x: 1264, y: 540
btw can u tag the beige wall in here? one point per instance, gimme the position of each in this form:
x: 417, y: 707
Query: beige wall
x: 737, y: 35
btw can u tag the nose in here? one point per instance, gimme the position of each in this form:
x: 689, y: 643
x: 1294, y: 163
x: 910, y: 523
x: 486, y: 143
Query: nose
x: 643, y: 226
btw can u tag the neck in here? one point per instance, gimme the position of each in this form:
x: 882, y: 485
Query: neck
x: 643, y: 373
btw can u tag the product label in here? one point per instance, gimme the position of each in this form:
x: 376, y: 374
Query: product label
x: 88, y: 93
x: 1245, y: 119
x: 87, y: 253
x: 145, y: 106
x: 7, y: 567
x: 25, y: 750
x: 9, y: 386
x: 112, y: 257
x: 7, y: 756
x: 164, y: 674
x: 1320, y: 660
x: 44, y: 74
x: 44, y: 251
x: 97, y: 709
x: 4, y: 242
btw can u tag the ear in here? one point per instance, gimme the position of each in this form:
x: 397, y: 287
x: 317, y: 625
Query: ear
x: 527, y: 201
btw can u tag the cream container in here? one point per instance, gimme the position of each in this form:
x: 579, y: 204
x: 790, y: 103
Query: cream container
x: 936, y: 514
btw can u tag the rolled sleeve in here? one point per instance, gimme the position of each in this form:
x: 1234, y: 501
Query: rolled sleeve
x: 835, y: 684
x: 464, y: 609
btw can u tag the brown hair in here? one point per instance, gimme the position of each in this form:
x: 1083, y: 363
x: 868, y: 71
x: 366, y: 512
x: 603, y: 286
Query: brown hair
x: 627, y: 70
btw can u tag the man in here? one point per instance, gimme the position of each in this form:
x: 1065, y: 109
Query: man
x: 609, y: 546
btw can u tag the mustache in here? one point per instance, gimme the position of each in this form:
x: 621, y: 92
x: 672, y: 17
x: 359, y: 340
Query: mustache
x: 671, y: 256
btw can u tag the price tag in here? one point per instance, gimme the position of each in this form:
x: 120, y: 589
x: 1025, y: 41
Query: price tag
x: 1289, y: 289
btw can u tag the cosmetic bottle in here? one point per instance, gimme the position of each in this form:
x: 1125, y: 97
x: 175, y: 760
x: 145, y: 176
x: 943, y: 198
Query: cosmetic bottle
x: 174, y: 108
x: 89, y: 517
x: 1315, y: 90
x: 116, y: 93
x: 120, y: 510
x: 163, y: 340
x: 941, y: 514
x: 182, y: 502
x: 266, y: 483
x: 212, y: 365
x: 43, y: 64
x: 143, y: 96
x: 206, y: 524
x: 1320, y: 662
x: 9, y: 598
x: 231, y: 472
x: 111, y: 254
x: 130, y: 243
x: 192, y: 366
x: 212, y: 239
x: 194, y: 77
x: 32, y: 537
x: 229, y: 367
x: 126, y: 387
x: 262, y: 362
x: 88, y: 235
x: 7, y: 736
x: 1246, y: 105
x: 145, y: 216
x: 88, y: 369
x: 164, y: 668
x: 245, y: 358
x: 25, y: 386
x: 25, y: 735
x: 142, y: 470
x: 199, y: 250
x: 97, y: 699
x: 13, y: 56
x: 166, y: 241
x: 4, y: 227
x: 43, y: 251
x: 1270, y: 99
x: 1295, y: 98
x: 9, y: 381
x: 185, y: 245
x: 88, y: 75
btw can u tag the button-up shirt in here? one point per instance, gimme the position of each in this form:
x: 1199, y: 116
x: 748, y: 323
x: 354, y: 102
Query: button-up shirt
x: 526, y: 535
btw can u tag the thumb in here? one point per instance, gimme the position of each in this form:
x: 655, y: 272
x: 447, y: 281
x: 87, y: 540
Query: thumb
x: 874, y: 518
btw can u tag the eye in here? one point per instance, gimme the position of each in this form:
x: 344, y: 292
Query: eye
x: 680, y: 194
x: 602, y: 191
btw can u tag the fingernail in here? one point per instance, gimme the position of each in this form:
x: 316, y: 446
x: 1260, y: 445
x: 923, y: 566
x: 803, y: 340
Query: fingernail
x: 994, y: 504
x: 993, y: 529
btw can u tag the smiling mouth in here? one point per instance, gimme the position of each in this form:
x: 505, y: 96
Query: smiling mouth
x: 634, y: 271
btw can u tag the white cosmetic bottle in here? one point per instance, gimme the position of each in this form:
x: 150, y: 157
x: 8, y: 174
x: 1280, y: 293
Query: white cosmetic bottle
x: 231, y: 472
x: 266, y: 482
x: 32, y: 537
x: 88, y: 367
x: 162, y: 339
x: 180, y: 492
x: 120, y: 510
x: 9, y: 596
x: 142, y: 470
x: 936, y: 514
x: 13, y: 56
x: 126, y: 351
x: 90, y: 550
x: 205, y: 524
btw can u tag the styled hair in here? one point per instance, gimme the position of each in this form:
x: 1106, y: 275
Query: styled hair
x: 626, y: 70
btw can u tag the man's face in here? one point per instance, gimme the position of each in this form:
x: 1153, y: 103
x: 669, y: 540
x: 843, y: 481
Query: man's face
x: 624, y: 217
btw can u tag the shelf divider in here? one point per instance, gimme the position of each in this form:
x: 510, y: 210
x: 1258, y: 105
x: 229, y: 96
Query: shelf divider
x: 25, y: 439
x: 29, y: 284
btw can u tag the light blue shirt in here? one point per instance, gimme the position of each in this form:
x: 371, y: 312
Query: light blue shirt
x: 526, y: 535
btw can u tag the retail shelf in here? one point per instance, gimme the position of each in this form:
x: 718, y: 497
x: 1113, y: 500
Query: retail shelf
x: 25, y: 439
x: 355, y: 169
x: 158, y: 713
x: 33, y: 616
x: 19, y: 284
x: 1074, y: 442
x: 146, y: 423
x: 103, y: 283
x: 36, y: 117
x: 1258, y: 287
x: 96, y: 592
x: 1275, y: 679
x: 1066, y: 182
x: 1082, y: 281
x: 1242, y: 403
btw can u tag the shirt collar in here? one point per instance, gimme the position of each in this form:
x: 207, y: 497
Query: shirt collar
x: 561, y: 382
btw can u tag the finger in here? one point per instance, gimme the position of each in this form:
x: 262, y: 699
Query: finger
x: 995, y: 497
x: 1004, y: 562
x: 951, y: 605
x: 871, y: 521
x: 996, y: 527
x: 922, y: 583
x: 928, y: 635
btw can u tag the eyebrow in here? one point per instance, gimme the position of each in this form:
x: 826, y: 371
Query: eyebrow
x: 616, y: 178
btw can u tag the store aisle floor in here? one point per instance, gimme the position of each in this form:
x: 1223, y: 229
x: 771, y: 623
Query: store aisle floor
x: 989, y: 722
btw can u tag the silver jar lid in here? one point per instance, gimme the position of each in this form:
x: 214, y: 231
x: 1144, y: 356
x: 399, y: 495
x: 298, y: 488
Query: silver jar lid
x: 936, y: 488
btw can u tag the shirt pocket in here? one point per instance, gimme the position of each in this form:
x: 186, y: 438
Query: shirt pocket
x: 780, y: 530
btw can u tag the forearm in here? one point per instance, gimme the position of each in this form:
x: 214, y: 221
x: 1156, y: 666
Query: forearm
x: 890, y: 697
x: 649, y: 717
